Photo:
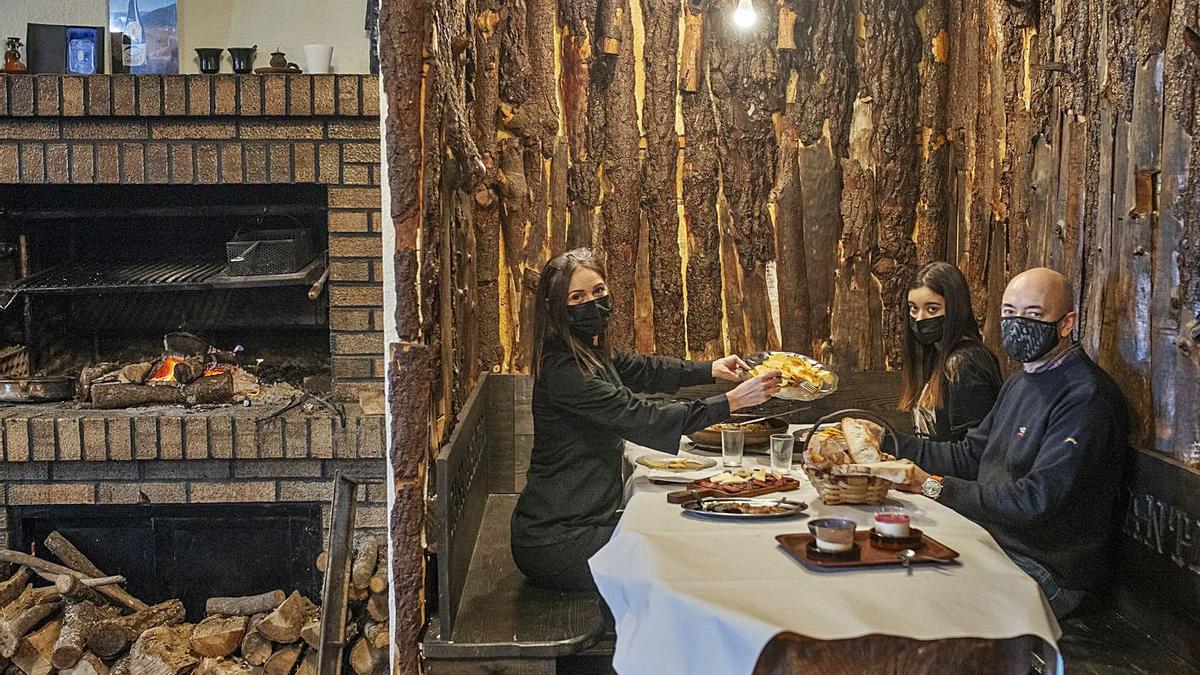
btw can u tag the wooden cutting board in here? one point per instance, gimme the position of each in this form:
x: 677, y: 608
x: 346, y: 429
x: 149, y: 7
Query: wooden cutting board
x: 680, y: 496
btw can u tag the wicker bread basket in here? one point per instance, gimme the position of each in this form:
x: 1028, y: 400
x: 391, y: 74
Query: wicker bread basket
x: 848, y: 489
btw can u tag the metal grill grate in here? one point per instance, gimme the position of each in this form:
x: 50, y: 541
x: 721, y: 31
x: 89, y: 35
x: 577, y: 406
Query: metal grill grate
x: 176, y: 275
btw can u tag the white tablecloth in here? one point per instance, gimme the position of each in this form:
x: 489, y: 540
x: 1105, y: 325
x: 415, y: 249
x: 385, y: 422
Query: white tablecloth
x: 705, y: 596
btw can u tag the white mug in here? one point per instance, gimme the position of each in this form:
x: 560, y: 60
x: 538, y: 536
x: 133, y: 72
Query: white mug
x: 318, y: 58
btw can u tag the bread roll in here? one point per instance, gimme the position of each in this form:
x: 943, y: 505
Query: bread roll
x: 827, y: 449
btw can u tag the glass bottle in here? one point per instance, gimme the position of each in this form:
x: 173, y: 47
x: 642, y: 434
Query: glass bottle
x: 133, y: 42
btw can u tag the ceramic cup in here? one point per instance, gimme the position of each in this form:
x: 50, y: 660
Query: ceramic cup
x: 318, y: 58
x: 210, y: 59
x: 243, y: 59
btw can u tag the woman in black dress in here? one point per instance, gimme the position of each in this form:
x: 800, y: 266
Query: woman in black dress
x: 951, y: 379
x: 584, y: 409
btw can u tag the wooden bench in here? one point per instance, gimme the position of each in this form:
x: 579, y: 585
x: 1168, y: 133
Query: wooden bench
x: 488, y: 618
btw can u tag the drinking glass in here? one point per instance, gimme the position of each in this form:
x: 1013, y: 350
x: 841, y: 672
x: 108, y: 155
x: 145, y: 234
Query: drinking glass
x: 732, y: 442
x: 782, y: 446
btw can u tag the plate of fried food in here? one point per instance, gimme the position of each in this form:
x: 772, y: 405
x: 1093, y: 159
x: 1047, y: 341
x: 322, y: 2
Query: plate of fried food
x: 676, y: 464
x: 804, y: 378
x: 743, y: 508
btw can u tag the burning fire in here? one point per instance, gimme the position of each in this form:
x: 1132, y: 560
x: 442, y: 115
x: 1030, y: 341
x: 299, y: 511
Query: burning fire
x: 166, y: 370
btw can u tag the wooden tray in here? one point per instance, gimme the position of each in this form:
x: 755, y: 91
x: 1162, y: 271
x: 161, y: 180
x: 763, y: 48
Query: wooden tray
x: 932, y: 552
x: 680, y: 496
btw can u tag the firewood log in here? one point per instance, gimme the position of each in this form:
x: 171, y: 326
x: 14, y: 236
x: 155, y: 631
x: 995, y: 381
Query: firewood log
x: 219, y: 636
x: 29, y: 597
x: 88, y: 664
x: 311, y: 633
x: 76, y: 560
x: 283, y: 661
x: 357, y: 594
x: 366, y: 559
x: 379, y: 580
x: 285, y: 623
x: 247, y: 606
x: 210, y: 389
x: 11, y: 588
x: 135, y: 373
x: 12, y: 630
x: 256, y: 649
x: 323, y: 562
x: 33, y: 654
x: 78, y: 620
x: 111, y: 636
x: 364, y: 658
x: 378, y: 634
x: 226, y: 667
x: 51, y: 570
x: 189, y: 370
x: 163, y: 650
x: 377, y: 608
x: 115, y: 396
x: 310, y: 665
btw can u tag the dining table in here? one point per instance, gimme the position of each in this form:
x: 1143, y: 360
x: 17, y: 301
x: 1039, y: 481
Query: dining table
x: 693, y: 594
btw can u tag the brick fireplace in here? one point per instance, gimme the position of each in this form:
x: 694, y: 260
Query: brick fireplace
x: 200, y: 130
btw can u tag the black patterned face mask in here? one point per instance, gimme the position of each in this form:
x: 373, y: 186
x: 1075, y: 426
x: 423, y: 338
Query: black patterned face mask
x: 1028, y: 340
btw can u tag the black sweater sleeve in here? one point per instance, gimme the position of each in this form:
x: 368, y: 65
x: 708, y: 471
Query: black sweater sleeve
x: 972, y: 385
x: 660, y: 374
x: 947, y: 458
x: 654, y: 424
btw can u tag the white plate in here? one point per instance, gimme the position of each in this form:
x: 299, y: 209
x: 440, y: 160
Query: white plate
x: 704, y: 462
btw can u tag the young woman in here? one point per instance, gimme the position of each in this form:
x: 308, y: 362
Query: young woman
x: 950, y: 378
x: 584, y: 409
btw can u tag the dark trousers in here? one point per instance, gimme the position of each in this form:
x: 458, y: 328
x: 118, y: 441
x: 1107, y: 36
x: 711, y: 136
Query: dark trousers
x: 563, y: 565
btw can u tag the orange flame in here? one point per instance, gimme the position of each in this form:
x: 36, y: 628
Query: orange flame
x: 166, y: 370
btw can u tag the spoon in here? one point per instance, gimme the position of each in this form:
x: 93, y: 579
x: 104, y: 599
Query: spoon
x: 700, y: 501
x: 907, y: 556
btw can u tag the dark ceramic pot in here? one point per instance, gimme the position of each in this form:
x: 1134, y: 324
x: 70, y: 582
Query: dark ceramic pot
x: 243, y: 59
x: 210, y: 59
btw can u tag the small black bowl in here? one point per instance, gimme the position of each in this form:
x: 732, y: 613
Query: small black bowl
x: 210, y: 59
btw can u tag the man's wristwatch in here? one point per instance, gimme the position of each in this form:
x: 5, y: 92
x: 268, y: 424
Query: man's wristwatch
x: 932, y: 487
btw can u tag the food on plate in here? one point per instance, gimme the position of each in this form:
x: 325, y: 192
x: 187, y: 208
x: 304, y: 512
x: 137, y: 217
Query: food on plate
x: 734, y: 426
x: 740, y: 480
x: 748, y: 509
x: 852, y: 448
x: 795, y: 370
x: 674, y: 464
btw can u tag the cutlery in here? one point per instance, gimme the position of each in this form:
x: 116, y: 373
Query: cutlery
x: 764, y: 418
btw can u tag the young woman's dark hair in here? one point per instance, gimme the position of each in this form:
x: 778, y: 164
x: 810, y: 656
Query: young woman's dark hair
x: 927, y: 363
x: 550, y: 324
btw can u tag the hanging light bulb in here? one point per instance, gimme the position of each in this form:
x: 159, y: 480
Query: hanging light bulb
x: 745, y: 16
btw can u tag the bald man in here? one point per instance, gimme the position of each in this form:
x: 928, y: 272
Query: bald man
x: 1042, y: 471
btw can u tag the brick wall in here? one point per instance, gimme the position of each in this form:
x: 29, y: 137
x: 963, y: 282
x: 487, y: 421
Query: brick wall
x: 192, y: 482
x: 224, y: 129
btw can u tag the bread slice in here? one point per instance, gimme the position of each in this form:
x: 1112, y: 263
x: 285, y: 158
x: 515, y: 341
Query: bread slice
x: 899, y: 471
x: 827, y: 449
x: 863, y: 438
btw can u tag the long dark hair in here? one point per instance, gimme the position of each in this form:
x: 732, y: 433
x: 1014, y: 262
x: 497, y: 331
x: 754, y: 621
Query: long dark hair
x: 927, y: 363
x: 551, y: 330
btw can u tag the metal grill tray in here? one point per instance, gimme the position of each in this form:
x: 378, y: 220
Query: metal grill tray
x: 150, y: 276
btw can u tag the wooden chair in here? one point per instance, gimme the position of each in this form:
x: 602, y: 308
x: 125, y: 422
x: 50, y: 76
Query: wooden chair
x: 489, y: 619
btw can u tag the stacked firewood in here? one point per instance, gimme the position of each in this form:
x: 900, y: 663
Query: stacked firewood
x: 368, y: 633
x: 85, y: 624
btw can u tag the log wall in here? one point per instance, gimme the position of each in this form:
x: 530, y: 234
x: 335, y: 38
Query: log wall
x: 777, y: 186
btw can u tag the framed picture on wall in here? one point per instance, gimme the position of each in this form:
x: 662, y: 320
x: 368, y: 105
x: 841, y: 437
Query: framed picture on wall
x: 144, y: 36
x: 82, y: 52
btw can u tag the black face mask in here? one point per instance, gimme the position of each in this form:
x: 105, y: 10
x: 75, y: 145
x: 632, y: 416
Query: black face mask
x: 589, y: 319
x: 928, y: 331
x: 1028, y: 340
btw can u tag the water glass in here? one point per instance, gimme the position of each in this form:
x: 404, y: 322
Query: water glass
x: 782, y: 446
x: 732, y: 442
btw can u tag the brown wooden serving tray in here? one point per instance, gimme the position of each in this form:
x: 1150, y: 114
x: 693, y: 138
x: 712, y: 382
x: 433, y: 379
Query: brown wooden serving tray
x: 932, y: 552
x: 787, y: 484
